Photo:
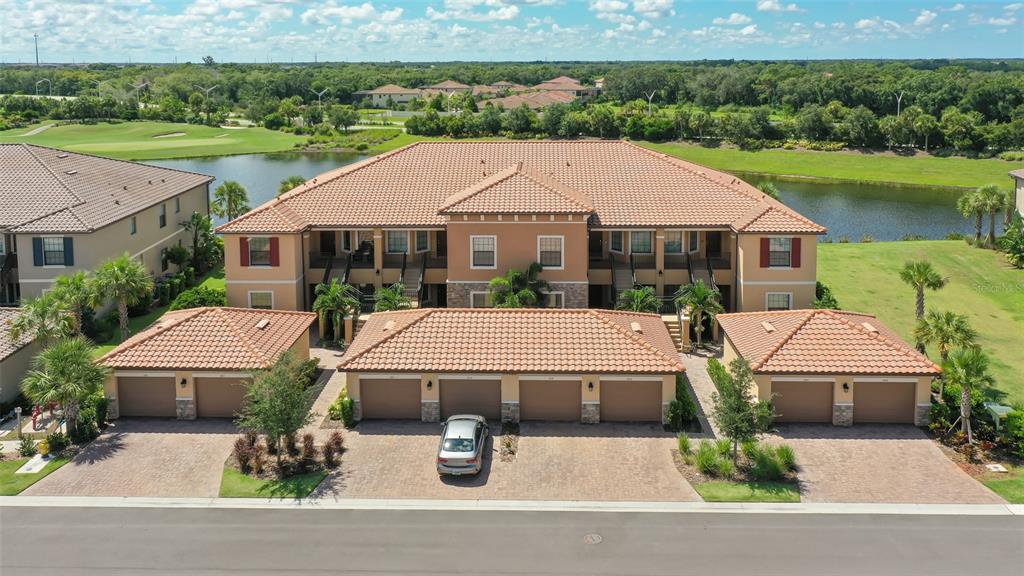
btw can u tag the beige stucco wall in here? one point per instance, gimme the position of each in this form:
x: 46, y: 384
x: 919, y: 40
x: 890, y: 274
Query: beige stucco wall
x: 755, y: 282
x: 284, y: 280
x: 517, y: 247
x: 13, y: 369
x: 1020, y: 195
x: 113, y: 240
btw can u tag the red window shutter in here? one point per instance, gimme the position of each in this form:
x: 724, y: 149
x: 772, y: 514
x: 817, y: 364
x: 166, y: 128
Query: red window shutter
x: 795, y: 257
x: 764, y: 252
x: 243, y: 250
x: 275, y: 252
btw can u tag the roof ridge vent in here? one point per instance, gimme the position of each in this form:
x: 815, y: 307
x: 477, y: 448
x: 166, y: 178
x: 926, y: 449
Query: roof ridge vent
x: 768, y: 326
x: 71, y: 172
x: 389, y: 325
x: 62, y: 155
x: 263, y: 323
x: 869, y: 327
x: 635, y: 327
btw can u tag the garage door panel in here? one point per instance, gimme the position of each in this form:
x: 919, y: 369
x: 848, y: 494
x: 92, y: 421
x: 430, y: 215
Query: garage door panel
x: 146, y: 396
x: 554, y: 400
x: 481, y: 397
x: 395, y: 398
x: 802, y: 401
x: 630, y: 401
x: 884, y: 402
x: 219, y: 397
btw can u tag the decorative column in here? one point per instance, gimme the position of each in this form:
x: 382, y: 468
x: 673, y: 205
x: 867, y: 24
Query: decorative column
x: 184, y: 396
x: 590, y: 412
x: 510, y: 398
x: 659, y: 261
x: 430, y: 398
x: 378, y: 257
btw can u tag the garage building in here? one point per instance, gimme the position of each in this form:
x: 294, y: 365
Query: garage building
x: 831, y: 366
x: 197, y: 362
x: 573, y: 365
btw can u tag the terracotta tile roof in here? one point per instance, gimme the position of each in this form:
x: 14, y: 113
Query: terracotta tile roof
x: 516, y: 190
x: 390, y: 89
x: 1017, y: 173
x: 533, y: 100
x: 627, y: 185
x: 212, y: 339
x: 449, y: 85
x: 525, y: 340
x: 821, y: 342
x: 49, y: 190
x: 9, y: 346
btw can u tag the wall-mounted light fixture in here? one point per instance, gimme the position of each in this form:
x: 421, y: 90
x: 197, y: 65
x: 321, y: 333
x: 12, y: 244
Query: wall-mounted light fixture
x: 660, y: 272
x: 183, y: 382
x: 377, y: 271
x: 429, y: 384
x: 846, y: 386
x: 590, y: 386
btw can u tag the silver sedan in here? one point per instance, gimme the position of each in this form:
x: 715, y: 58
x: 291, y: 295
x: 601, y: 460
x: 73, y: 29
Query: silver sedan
x: 461, y: 450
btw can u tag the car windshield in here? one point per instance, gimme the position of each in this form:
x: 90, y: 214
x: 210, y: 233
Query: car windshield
x: 458, y: 445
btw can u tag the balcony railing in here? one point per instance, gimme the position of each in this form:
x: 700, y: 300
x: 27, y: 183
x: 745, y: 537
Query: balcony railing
x: 320, y: 260
x: 721, y: 261
x: 643, y: 261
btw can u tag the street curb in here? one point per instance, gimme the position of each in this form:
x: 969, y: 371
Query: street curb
x: 516, y: 506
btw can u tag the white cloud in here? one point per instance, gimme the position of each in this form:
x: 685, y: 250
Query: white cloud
x: 925, y: 18
x: 866, y: 23
x: 654, y: 8
x: 608, y: 5
x: 1007, y: 20
x: 1013, y: 7
x: 494, y: 10
x: 776, y: 6
x: 748, y: 30
x: 330, y: 12
x: 954, y: 8
x: 734, y: 19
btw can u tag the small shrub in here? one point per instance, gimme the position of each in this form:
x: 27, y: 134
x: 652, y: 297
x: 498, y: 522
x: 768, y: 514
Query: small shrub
x: 682, y: 410
x: 164, y: 292
x: 724, y: 446
x: 765, y: 465
x: 199, y: 297
x: 251, y: 437
x: 751, y: 449
x: 707, y: 458
x: 332, y: 449
x: 291, y: 445
x: 970, y: 452
x: 308, y: 458
x: 787, y: 457
x: 27, y: 448
x: 341, y: 409
x: 308, y: 371
x: 58, y: 442
x: 955, y: 236
x: 684, y: 444
x: 271, y: 447
x: 867, y: 238
x: 257, y: 460
x: 243, y: 452
x: 724, y: 468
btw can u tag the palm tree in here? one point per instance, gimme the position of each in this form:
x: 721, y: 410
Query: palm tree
x: 230, y: 200
x: 966, y: 367
x: 992, y: 201
x: 769, y: 189
x: 519, y: 289
x: 125, y: 281
x: 333, y: 302
x: 77, y: 293
x: 946, y: 330
x: 971, y: 205
x: 45, y: 319
x: 639, y: 300
x: 702, y: 301
x: 920, y: 275
x: 64, y: 374
x: 201, y: 228
x: 391, y: 298
x: 290, y: 183
x: 1010, y: 206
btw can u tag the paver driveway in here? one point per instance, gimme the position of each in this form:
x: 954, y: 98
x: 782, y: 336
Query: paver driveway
x: 554, y: 462
x: 878, y: 463
x: 146, y: 457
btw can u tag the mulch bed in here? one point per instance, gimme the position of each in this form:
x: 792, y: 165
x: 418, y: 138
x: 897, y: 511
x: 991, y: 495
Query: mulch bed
x: 694, y: 476
x: 508, y: 442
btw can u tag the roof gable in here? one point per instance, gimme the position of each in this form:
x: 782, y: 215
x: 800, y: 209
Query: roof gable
x: 517, y: 190
x: 9, y: 346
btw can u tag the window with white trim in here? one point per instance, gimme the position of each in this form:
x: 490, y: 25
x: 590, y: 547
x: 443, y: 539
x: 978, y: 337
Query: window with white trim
x: 163, y: 259
x: 259, y: 251
x: 163, y: 215
x: 53, y: 251
x: 778, y: 301
x: 177, y: 205
x: 398, y: 241
x: 550, y: 251
x: 484, y: 251
x: 480, y: 300
x: 693, y: 241
x: 780, y: 252
x: 135, y: 227
x: 554, y: 299
x: 641, y: 242
x: 673, y: 242
x: 262, y: 300
x: 616, y: 240
x: 346, y: 240
x: 422, y: 241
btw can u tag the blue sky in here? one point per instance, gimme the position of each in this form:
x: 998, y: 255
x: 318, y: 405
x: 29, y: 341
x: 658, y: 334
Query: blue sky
x: 441, y: 30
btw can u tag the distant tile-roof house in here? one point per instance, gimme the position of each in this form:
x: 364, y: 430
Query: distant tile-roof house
x: 381, y: 95
x: 600, y: 216
x: 449, y: 87
x: 532, y: 100
x: 15, y: 356
x: 569, y: 86
x: 197, y: 362
x: 831, y: 366
x: 65, y: 211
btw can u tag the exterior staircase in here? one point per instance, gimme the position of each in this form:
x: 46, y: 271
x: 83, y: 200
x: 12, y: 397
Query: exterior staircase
x: 674, y: 329
x: 702, y: 273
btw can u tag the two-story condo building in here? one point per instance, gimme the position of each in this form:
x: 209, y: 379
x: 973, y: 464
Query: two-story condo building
x: 61, y: 212
x: 444, y: 218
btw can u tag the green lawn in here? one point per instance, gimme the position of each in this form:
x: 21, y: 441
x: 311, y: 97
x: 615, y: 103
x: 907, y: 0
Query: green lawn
x: 234, y: 484
x: 1010, y: 486
x: 725, y: 491
x: 137, y: 141
x: 865, y: 278
x: 213, y: 279
x: 12, y: 484
x: 922, y: 170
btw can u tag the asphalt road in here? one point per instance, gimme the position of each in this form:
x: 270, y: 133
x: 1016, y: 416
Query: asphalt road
x: 150, y: 541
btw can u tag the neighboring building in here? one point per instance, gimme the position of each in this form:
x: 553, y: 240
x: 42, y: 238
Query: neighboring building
x: 1018, y: 184
x: 444, y: 218
x: 533, y: 100
x: 63, y: 211
x: 568, y: 85
x: 517, y: 364
x: 831, y: 366
x: 197, y: 362
x: 389, y: 93
x: 448, y: 87
x: 15, y: 356
x: 498, y: 87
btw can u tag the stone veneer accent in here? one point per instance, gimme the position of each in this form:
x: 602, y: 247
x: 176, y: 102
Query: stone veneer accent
x: 591, y: 413
x: 922, y: 414
x: 357, y: 410
x: 430, y: 411
x: 113, y: 409
x: 576, y: 295
x: 842, y: 414
x: 510, y: 411
x: 185, y: 408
